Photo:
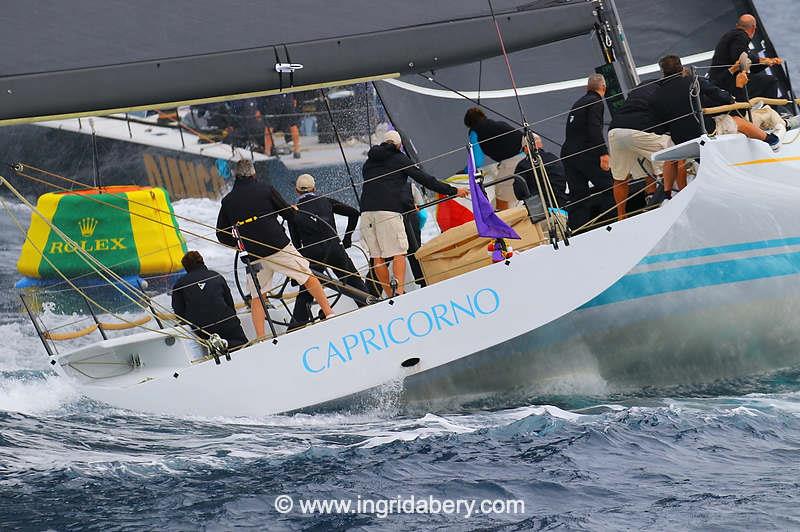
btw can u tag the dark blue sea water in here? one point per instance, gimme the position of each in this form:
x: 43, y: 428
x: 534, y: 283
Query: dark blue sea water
x: 723, y: 457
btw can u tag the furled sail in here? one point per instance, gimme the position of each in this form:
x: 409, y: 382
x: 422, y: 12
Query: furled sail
x: 98, y: 56
x: 551, y: 77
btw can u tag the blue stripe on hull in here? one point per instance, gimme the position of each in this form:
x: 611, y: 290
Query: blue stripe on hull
x: 719, y: 250
x: 637, y: 285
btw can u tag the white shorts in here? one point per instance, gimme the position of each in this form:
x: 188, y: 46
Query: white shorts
x: 287, y: 261
x: 626, y: 147
x: 505, y: 191
x: 384, y: 233
x: 725, y: 125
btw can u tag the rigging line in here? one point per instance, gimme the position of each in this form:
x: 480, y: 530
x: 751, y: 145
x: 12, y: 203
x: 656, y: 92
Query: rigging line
x: 199, y: 236
x: 508, y: 63
x: 142, y: 302
x: 76, y: 288
x: 341, y: 148
x: 495, y: 111
x: 227, y: 230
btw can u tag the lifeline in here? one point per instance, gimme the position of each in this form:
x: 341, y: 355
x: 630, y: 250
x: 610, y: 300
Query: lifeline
x: 401, y: 330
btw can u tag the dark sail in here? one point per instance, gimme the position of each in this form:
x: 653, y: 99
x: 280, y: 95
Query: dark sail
x: 432, y: 122
x: 101, y: 55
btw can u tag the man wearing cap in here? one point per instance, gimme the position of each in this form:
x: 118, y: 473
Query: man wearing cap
x: 253, y: 208
x: 384, y: 198
x: 313, y: 231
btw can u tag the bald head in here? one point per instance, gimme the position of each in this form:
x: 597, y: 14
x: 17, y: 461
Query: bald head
x: 596, y: 83
x: 748, y: 24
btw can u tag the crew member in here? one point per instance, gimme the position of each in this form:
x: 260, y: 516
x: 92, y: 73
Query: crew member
x: 313, y: 231
x: 501, y: 142
x: 725, y: 63
x: 202, y: 299
x: 384, y: 198
x: 253, y: 208
x: 555, y: 173
x: 585, y: 154
x: 633, y: 136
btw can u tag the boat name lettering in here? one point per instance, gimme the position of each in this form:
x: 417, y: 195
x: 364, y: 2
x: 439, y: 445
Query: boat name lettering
x: 401, y: 330
x: 99, y: 244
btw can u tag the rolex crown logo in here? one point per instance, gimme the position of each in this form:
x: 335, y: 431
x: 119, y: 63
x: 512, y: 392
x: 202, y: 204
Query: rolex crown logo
x: 87, y: 226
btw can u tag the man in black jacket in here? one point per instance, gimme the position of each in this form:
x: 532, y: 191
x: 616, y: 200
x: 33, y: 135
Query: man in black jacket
x: 384, y: 198
x: 724, y: 64
x: 202, y: 299
x: 501, y: 142
x: 555, y: 173
x: 585, y: 155
x: 313, y: 231
x: 253, y: 208
x: 672, y: 108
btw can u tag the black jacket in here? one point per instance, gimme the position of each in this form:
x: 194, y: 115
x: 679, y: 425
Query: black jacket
x: 251, y: 198
x: 386, y: 186
x: 315, y: 223
x: 671, y: 100
x: 585, y: 128
x: 727, y: 52
x: 202, y: 298
x: 504, y: 141
x: 555, y: 173
x: 637, y: 112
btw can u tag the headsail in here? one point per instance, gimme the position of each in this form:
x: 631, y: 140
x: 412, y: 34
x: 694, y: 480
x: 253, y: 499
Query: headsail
x: 98, y: 56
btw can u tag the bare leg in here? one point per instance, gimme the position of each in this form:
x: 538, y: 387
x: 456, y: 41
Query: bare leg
x: 382, y: 273
x: 650, y: 187
x: 670, y: 170
x: 268, y: 140
x: 258, y: 315
x: 399, y: 267
x: 314, y: 288
x: 680, y: 176
x: 295, y: 138
x: 620, y: 197
x: 749, y: 129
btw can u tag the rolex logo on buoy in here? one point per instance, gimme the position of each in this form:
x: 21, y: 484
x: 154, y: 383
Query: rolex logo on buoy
x: 87, y: 226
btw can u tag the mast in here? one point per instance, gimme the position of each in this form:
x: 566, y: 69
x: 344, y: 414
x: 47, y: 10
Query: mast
x: 615, y: 44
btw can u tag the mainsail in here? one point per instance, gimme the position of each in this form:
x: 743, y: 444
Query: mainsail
x: 97, y: 56
x: 551, y: 77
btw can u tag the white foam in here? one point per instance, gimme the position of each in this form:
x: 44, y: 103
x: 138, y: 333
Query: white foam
x: 35, y: 395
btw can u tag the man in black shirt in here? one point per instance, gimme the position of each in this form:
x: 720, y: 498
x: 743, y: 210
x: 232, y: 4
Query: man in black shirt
x: 672, y: 108
x: 385, y: 196
x: 313, y: 231
x: 202, y: 299
x: 253, y: 208
x: 724, y: 64
x: 585, y: 154
x: 501, y: 142
x: 633, y: 136
x: 555, y: 173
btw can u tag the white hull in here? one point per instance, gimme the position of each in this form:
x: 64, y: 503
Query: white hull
x: 710, y: 287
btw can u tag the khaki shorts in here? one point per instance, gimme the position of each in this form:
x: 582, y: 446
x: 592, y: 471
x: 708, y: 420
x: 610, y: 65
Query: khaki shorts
x: 287, y: 261
x: 505, y: 191
x: 725, y: 125
x: 384, y: 233
x: 626, y: 147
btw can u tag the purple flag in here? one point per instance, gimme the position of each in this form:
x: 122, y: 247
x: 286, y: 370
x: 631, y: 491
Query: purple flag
x: 489, y: 224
